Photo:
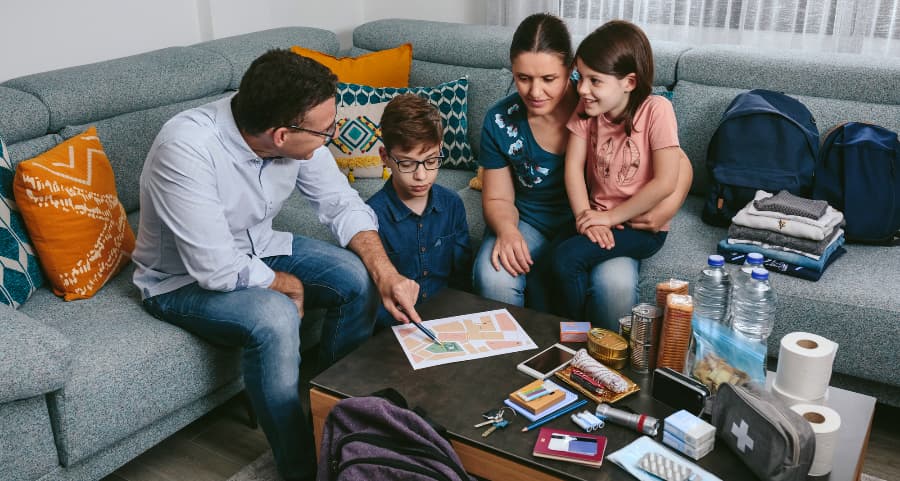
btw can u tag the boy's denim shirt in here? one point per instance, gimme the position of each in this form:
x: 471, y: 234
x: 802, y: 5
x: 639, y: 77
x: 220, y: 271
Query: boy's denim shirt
x: 432, y: 249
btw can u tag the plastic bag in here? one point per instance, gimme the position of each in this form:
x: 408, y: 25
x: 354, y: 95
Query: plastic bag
x: 719, y: 355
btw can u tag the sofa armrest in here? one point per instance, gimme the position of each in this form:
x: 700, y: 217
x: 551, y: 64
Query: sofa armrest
x: 34, y: 358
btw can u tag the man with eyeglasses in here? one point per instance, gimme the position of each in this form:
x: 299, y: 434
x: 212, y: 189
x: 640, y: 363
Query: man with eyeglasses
x: 422, y: 225
x: 209, y: 261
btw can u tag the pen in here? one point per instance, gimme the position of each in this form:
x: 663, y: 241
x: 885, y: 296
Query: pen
x: 427, y: 333
x: 551, y: 417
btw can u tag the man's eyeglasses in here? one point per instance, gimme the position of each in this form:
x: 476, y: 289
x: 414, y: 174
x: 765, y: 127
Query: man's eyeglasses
x: 328, y: 135
x: 408, y: 166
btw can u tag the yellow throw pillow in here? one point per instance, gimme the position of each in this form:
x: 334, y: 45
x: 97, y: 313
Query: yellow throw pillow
x: 67, y: 197
x: 385, y: 68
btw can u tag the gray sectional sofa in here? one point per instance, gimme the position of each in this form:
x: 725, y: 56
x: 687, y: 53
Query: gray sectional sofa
x: 86, y: 386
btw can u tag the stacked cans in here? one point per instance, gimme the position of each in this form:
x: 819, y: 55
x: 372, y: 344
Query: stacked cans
x: 644, y: 336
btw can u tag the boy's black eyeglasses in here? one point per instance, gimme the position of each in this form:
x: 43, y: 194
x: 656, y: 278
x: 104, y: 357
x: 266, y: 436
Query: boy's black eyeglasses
x: 408, y: 166
x: 327, y: 135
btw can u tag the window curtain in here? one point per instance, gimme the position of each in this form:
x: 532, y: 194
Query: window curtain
x: 850, y: 26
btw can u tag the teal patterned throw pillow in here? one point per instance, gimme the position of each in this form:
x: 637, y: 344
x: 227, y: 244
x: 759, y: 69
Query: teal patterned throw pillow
x: 450, y: 100
x: 20, y: 274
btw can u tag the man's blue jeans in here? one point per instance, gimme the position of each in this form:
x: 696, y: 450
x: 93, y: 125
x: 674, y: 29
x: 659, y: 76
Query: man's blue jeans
x: 613, y: 287
x: 265, y: 323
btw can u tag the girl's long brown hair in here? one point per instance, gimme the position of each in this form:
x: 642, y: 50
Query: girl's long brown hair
x: 619, y: 48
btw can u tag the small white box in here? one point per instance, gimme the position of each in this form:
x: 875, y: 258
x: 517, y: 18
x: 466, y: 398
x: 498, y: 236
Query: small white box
x: 695, y: 452
x: 690, y: 429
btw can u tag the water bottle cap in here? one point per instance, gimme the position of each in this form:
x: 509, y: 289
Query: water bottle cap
x: 755, y: 258
x: 715, y: 260
x: 760, y: 274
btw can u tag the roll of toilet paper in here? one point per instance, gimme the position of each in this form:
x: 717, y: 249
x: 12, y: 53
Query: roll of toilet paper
x: 790, y: 400
x: 804, y: 365
x: 825, y: 423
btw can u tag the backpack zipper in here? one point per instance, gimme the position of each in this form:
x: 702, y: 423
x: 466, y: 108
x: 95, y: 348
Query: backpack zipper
x: 785, y: 426
x: 398, y: 447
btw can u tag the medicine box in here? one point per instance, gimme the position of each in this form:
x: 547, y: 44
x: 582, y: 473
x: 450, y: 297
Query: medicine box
x: 695, y: 452
x: 574, y: 331
x: 689, y: 428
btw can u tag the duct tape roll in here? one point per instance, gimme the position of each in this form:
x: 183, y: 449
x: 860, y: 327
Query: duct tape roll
x: 825, y: 423
x: 804, y: 365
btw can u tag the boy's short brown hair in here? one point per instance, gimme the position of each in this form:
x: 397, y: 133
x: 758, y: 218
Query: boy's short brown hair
x: 410, y: 121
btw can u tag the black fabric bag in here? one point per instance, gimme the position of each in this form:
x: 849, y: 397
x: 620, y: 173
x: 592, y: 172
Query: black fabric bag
x: 776, y: 443
x: 377, y: 437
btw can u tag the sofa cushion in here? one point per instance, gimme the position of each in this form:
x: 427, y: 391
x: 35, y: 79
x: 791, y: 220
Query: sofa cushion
x: 450, y: 98
x: 384, y: 68
x: 847, y: 306
x: 27, y: 451
x: 27, y: 149
x: 22, y: 115
x: 100, y: 90
x: 127, y: 139
x: 129, y: 369
x: 68, y: 199
x: 241, y: 50
x: 36, y: 358
x: 20, y: 273
x: 827, y: 75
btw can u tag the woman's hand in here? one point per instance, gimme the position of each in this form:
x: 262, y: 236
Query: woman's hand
x: 591, y: 218
x: 511, y: 252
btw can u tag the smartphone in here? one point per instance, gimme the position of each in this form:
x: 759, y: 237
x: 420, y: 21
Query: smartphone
x: 679, y: 391
x: 543, y: 364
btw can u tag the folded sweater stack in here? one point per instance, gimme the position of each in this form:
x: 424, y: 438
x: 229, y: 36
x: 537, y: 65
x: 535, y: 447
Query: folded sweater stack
x: 798, y: 236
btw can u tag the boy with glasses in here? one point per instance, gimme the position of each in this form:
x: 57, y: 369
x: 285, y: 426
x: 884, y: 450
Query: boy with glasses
x: 421, y: 224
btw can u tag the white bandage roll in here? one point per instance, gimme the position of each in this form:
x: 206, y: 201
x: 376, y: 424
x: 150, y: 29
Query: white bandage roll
x: 825, y: 423
x: 804, y: 365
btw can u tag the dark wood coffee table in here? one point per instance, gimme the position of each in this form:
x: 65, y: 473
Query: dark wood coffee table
x: 456, y: 394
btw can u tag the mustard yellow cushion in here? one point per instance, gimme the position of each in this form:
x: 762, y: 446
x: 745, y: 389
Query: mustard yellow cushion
x: 67, y: 198
x: 385, y: 68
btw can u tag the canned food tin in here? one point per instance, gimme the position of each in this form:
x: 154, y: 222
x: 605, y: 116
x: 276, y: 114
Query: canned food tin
x: 644, y: 323
x: 608, y: 347
x: 625, y: 327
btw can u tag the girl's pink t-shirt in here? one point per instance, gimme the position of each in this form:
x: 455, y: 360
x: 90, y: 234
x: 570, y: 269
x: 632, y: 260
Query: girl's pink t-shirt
x: 618, y: 166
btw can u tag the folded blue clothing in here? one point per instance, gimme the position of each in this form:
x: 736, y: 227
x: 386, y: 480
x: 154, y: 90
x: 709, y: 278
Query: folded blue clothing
x: 789, y: 257
x: 775, y: 265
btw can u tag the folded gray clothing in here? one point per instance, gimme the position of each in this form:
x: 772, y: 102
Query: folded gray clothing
x: 787, y: 203
x: 779, y: 239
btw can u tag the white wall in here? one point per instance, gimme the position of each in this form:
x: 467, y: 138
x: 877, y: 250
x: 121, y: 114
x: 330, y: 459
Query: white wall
x: 73, y: 33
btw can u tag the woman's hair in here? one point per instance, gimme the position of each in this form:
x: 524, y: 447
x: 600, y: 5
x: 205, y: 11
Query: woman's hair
x: 542, y: 33
x: 619, y: 48
x: 408, y: 122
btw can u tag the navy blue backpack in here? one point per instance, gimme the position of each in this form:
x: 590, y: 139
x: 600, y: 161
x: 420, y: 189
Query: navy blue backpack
x: 859, y: 174
x: 765, y: 140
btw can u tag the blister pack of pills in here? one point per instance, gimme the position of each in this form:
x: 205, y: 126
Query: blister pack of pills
x: 665, y: 468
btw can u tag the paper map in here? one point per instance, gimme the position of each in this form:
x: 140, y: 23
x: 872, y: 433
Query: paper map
x: 471, y: 336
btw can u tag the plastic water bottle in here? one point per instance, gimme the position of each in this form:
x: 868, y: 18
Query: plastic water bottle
x: 742, y: 276
x: 754, y: 307
x: 712, y: 290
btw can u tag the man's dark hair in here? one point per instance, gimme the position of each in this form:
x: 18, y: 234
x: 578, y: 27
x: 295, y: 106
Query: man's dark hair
x: 279, y: 88
x: 409, y: 121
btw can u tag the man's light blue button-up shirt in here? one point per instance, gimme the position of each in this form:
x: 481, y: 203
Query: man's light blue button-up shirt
x: 207, y: 204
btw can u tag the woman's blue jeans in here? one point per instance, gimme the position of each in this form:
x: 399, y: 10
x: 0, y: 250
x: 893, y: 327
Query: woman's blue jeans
x: 266, y: 325
x: 613, y: 287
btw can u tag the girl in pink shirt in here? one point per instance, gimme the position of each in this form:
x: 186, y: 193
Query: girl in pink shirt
x: 622, y: 158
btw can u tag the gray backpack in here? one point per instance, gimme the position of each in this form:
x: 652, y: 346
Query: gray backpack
x: 375, y: 438
x: 776, y: 443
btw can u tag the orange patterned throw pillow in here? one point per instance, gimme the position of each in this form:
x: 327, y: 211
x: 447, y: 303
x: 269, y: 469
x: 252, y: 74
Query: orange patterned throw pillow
x: 384, y: 68
x: 67, y: 197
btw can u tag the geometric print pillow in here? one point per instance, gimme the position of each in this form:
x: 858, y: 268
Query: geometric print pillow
x: 77, y: 225
x: 20, y: 274
x: 361, y: 132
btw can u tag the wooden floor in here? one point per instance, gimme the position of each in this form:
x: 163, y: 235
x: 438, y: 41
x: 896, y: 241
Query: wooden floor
x: 219, y: 444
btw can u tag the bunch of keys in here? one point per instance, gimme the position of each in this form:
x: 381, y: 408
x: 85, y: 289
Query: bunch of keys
x: 494, y: 417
